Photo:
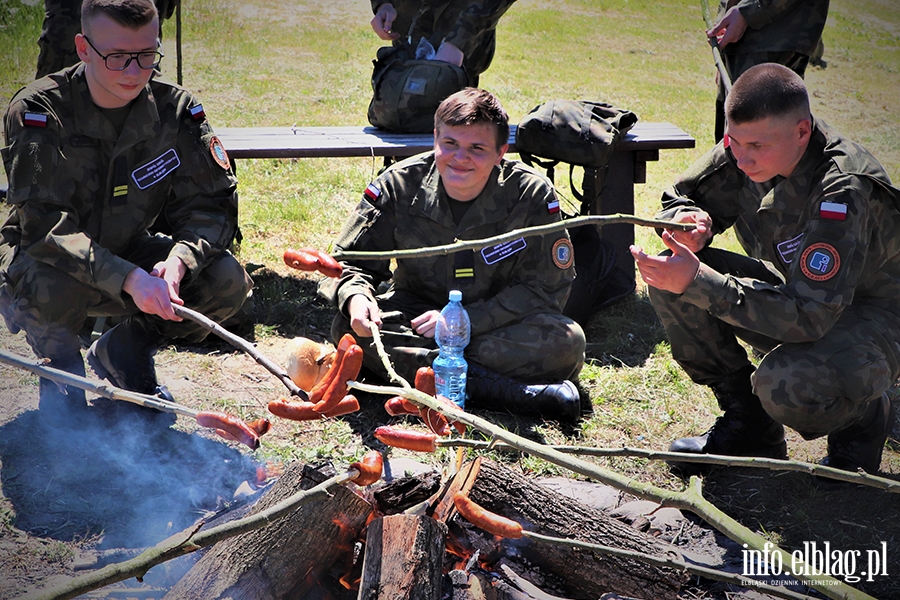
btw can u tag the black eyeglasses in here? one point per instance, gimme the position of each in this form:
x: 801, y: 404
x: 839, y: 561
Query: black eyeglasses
x: 119, y: 61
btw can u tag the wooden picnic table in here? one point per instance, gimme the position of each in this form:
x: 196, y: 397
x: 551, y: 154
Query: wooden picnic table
x: 627, y: 167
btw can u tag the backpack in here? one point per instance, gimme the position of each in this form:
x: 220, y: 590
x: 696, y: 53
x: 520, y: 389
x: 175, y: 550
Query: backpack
x: 407, y: 92
x: 578, y: 132
x: 581, y: 133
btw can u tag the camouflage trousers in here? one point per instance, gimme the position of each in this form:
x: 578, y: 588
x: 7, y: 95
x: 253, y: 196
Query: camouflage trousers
x: 736, y: 64
x: 52, y: 307
x: 539, y: 348
x: 815, y: 387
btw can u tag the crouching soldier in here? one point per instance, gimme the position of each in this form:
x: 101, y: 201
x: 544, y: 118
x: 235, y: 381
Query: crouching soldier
x: 95, y: 155
x: 523, y: 351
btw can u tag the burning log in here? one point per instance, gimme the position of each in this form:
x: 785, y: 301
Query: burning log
x: 288, y: 558
x: 584, y: 574
x: 404, y: 557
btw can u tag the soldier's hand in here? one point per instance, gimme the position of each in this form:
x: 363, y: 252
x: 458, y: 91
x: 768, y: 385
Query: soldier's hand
x: 426, y: 323
x: 172, y: 271
x: 672, y: 273
x: 384, y: 20
x: 363, y: 312
x: 152, y: 295
x: 730, y: 28
x: 696, y: 239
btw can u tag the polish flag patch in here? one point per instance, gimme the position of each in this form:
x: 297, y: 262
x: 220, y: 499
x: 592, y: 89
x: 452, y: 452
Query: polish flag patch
x: 372, y: 192
x: 197, y: 112
x: 34, y: 120
x: 833, y: 211
x: 553, y: 207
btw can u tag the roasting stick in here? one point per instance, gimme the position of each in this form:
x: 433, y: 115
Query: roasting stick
x: 242, y: 432
x: 101, y: 389
x: 241, y: 343
x: 514, y: 235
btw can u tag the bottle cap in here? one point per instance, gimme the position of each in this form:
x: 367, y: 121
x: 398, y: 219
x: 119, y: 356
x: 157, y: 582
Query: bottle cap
x: 455, y: 296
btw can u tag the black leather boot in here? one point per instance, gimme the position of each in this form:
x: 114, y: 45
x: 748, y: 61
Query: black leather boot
x: 124, y: 356
x: 60, y: 405
x: 744, y: 430
x: 860, y: 445
x: 490, y: 390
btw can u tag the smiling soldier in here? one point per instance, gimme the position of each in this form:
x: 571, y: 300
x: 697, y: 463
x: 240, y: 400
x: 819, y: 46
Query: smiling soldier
x: 98, y: 155
x: 523, y: 350
x: 818, y: 296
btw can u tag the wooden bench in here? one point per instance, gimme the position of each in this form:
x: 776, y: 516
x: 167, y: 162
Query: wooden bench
x: 627, y: 167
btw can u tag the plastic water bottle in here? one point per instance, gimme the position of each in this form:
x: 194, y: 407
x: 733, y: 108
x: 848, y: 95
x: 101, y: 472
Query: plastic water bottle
x: 452, y: 336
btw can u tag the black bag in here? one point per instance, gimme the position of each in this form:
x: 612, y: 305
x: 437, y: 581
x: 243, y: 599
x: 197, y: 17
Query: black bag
x: 407, y: 92
x: 585, y: 134
x: 577, y: 132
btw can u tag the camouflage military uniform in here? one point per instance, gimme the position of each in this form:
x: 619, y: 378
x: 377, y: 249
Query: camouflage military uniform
x: 780, y: 31
x: 83, y: 199
x: 514, y: 293
x: 467, y: 24
x: 62, y: 20
x: 820, y: 295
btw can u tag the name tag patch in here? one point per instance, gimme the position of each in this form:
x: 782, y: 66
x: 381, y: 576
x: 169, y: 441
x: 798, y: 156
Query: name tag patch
x: 820, y: 262
x: 497, y: 253
x: 787, y: 248
x: 155, y: 170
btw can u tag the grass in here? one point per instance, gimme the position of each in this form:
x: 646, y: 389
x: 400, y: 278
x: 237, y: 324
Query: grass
x: 269, y: 63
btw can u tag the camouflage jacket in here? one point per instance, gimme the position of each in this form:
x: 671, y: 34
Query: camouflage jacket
x: 80, y: 194
x: 467, y: 24
x: 778, y: 25
x: 406, y: 207
x: 832, y: 229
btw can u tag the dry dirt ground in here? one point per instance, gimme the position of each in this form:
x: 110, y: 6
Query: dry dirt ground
x: 124, y: 482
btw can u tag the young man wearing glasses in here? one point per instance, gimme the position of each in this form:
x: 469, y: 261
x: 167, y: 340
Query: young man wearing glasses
x: 99, y: 155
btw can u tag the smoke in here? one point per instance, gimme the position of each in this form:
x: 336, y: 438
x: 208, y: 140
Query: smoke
x: 124, y: 477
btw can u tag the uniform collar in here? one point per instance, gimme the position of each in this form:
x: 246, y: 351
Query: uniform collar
x: 143, y: 122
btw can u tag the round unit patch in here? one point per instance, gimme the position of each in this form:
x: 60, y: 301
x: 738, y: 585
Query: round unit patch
x: 820, y: 262
x: 563, y: 257
x: 218, y: 152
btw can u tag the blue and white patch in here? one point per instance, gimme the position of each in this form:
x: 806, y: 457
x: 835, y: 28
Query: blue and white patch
x: 787, y: 248
x: 495, y: 254
x: 372, y: 192
x: 155, y: 170
x: 563, y: 256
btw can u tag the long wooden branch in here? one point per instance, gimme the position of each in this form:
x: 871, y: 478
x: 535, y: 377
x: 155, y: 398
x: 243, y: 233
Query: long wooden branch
x: 186, y: 542
x: 100, y: 389
x: 513, y: 235
x: 691, y: 499
x: 860, y: 478
x: 241, y: 343
x: 677, y: 563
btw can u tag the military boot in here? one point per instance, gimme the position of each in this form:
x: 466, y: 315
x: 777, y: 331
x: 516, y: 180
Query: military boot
x: 60, y: 405
x: 745, y: 429
x: 124, y: 357
x: 490, y: 390
x: 860, y: 445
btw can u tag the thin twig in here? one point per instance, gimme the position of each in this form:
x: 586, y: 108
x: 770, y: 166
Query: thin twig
x: 512, y: 235
x: 671, y: 562
x: 186, y: 542
x: 861, y: 478
x: 385, y: 359
x: 241, y: 343
x: 101, y: 389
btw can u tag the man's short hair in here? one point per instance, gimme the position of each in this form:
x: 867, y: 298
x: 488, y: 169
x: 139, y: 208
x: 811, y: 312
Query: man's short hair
x: 133, y: 14
x: 471, y: 106
x: 766, y: 90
